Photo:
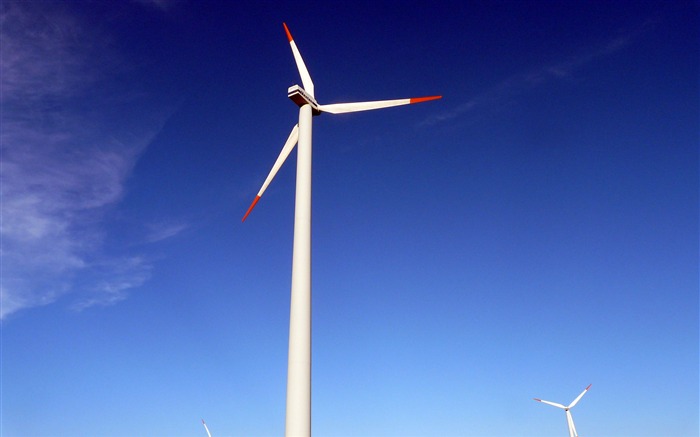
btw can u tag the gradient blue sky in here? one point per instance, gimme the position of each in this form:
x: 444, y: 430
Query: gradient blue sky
x: 533, y: 232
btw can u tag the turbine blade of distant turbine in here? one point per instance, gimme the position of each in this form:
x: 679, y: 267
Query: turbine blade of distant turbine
x: 303, y: 72
x: 206, y: 428
x: 341, y: 108
x: 286, y: 150
x: 554, y: 404
x: 572, y: 428
x: 580, y: 396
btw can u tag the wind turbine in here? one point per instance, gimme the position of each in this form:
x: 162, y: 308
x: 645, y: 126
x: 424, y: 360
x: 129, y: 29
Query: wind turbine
x: 298, y: 413
x: 569, y: 419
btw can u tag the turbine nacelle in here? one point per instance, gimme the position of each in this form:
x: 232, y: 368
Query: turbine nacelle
x: 301, y: 98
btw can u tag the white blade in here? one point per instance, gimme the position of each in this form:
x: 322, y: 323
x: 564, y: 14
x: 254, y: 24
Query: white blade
x: 205, y: 427
x: 341, y: 108
x: 572, y: 428
x: 580, y: 396
x: 554, y: 404
x: 286, y: 150
x: 303, y: 72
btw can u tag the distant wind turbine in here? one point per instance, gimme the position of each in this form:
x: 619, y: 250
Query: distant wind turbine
x: 298, y: 414
x: 206, y: 428
x: 569, y: 419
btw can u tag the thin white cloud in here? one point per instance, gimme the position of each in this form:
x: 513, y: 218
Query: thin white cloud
x: 163, y: 5
x: 115, y: 278
x: 537, y: 77
x: 64, y: 164
x: 163, y: 231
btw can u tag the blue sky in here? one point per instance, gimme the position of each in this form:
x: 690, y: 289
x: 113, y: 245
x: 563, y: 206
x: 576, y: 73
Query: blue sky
x: 533, y: 232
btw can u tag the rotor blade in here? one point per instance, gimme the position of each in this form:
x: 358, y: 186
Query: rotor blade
x: 303, y: 72
x: 286, y: 150
x: 580, y: 396
x: 572, y: 428
x: 341, y: 108
x: 554, y: 404
x: 206, y: 428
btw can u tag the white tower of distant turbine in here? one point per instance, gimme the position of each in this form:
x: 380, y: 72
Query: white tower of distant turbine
x: 298, y: 415
x: 569, y: 419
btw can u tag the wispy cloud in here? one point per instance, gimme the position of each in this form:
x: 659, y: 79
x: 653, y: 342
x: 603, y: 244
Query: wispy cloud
x: 163, y: 5
x: 64, y: 163
x: 113, y: 279
x: 540, y: 76
x: 164, y: 230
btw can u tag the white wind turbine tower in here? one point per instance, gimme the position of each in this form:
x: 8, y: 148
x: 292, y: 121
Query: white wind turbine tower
x: 298, y: 414
x: 569, y: 419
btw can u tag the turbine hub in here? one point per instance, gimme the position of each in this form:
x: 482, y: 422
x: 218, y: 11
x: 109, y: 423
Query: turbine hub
x: 301, y: 98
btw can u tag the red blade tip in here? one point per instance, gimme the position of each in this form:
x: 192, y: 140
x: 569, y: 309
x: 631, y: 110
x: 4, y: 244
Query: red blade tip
x: 424, y: 99
x: 252, y: 205
x: 289, y: 35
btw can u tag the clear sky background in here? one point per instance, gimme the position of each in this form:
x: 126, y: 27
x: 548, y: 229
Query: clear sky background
x: 533, y: 232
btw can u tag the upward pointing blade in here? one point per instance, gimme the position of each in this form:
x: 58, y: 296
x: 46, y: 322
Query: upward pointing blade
x: 286, y: 150
x: 341, y: 108
x: 303, y: 72
x: 580, y: 396
x: 206, y: 428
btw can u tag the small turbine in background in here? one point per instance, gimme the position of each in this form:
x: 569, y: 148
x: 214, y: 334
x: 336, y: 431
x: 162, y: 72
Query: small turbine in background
x: 569, y: 419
